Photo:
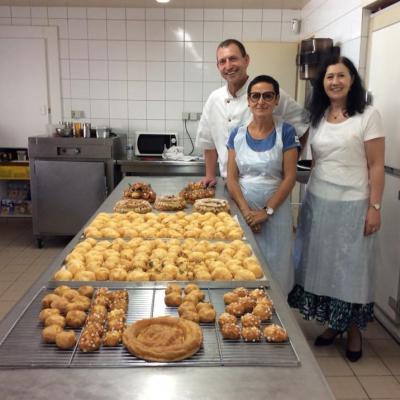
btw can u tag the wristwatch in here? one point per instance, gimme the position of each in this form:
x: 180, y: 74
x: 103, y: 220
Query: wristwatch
x: 270, y: 211
x: 377, y: 206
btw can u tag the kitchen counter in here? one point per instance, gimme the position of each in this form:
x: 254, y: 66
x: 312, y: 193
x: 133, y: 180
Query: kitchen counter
x: 303, y: 382
x: 153, y: 166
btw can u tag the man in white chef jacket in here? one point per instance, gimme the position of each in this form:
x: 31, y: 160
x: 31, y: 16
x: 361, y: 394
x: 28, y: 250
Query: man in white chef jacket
x: 227, y: 108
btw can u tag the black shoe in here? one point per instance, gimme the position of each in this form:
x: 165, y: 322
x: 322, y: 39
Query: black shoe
x: 322, y: 341
x: 354, y: 356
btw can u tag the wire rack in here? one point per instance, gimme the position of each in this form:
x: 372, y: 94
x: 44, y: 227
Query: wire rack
x: 23, y: 346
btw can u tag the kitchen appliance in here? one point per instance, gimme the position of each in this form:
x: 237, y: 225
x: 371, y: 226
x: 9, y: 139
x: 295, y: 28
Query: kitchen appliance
x: 312, y: 53
x: 70, y: 178
x: 154, y: 143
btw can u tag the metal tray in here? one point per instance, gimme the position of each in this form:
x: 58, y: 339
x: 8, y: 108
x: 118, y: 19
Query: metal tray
x: 23, y: 347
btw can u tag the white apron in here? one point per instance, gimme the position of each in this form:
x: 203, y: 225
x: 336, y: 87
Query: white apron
x: 332, y: 256
x: 260, y: 174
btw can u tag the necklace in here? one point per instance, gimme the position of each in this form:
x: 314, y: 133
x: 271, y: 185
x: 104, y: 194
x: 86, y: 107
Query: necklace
x: 341, y: 113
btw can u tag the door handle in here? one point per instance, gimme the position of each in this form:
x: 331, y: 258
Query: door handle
x: 68, y: 151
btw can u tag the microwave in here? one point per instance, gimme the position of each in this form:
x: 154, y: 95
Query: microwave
x: 154, y: 143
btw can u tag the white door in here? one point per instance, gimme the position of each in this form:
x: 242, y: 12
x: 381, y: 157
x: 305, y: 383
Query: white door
x: 23, y: 90
x: 384, y: 83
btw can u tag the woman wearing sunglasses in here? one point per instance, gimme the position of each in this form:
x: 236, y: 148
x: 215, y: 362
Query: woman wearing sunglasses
x: 262, y: 159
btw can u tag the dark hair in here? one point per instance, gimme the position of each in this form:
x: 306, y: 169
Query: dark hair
x: 319, y: 101
x: 228, y: 42
x: 266, y: 79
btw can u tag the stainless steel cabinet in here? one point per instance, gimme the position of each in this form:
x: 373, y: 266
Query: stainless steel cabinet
x: 65, y: 194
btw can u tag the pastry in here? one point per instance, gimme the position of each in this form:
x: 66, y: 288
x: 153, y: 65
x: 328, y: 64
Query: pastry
x: 48, y: 299
x: 89, y: 341
x: 173, y: 299
x: 50, y: 332
x: 262, y: 311
x: 139, y: 206
x: 250, y: 320
x: 75, y: 318
x: 66, y: 340
x: 170, y: 203
x: 230, y: 297
x: 230, y: 331
x: 237, y: 309
x: 241, y: 291
x: 203, y: 305
x: 112, y: 338
x: 248, y: 303
x: 163, y: 339
x: 192, y: 298
x: 226, y: 318
x: 173, y: 287
x: 251, y: 334
x: 191, y: 316
x: 60, y: 290
x: 190, y: 287
x: 186, y: 306
x: 140, y: 190
x: 194, y: 191
x: 257, y: 293
x: 55, y: 320
x: 211, y: 205
x: 207, y: 315
x: 70, y: 294
x: 86, y: 290
x: 275, y: 333
x: 44, y: 314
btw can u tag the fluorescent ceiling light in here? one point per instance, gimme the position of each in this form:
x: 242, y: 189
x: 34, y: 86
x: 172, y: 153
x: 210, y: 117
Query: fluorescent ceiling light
x: 162, y: 1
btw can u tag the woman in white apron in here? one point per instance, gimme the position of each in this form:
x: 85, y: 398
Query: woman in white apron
x: 336, y: 244
x: 261, y: 174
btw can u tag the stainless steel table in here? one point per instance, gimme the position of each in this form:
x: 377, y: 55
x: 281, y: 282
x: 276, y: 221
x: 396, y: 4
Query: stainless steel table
x: 304, y: 382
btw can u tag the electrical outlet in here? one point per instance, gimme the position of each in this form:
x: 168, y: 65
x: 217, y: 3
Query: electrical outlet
x: 75, y: 114
x: 185, y: 116
x: 193, y: 116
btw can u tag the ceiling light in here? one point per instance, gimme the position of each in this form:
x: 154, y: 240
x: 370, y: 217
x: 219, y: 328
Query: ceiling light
x: 162, y: 1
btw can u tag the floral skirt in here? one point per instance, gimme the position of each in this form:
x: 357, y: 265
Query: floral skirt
x: 339, y: 315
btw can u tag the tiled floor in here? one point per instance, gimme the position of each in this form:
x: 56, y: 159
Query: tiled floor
x: 375, y: 376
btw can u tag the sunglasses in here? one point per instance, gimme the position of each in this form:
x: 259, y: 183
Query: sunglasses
x: 266, y: 96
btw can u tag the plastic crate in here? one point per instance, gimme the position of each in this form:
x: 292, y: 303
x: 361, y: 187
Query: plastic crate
x: 14, y: 172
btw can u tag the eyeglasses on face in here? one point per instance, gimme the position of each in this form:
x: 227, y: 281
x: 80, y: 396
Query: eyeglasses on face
x: 266, y: 96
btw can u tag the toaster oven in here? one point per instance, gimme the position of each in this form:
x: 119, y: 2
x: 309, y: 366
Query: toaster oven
x: 154, y: 143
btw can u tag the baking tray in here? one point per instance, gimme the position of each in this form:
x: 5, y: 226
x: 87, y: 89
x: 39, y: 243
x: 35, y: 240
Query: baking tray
x: 22, y: 347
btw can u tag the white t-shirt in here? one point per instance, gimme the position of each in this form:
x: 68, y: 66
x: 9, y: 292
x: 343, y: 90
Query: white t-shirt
x: 339, y: 152
x: 223, y: 112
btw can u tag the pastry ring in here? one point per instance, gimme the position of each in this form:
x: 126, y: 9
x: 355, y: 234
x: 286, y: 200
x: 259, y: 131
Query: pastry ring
x: 163, y: 339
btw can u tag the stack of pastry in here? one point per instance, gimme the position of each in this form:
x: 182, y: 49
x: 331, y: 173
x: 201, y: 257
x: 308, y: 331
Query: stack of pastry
x: 211, y: 205
x: 252, y: 307
x: 160, y: 260
x: 105, y: 323
x: 64, y: 307
x: 170, y: 203
x: 116, y: 317
x: 163, y: 339
x: 196, y: 190
x: 165, y: 225
x: 191, y: 305
x: 140, y: 190
x: 139, y: 206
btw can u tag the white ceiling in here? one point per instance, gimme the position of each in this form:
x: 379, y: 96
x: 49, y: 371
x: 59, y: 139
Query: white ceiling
x: 285, y: 4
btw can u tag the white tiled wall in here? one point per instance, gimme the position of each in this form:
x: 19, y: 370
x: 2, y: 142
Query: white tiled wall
x: 140, y: 68
x: 344, y: 21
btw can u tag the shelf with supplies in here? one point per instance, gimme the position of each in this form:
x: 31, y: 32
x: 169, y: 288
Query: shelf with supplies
x: 15, y: 189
